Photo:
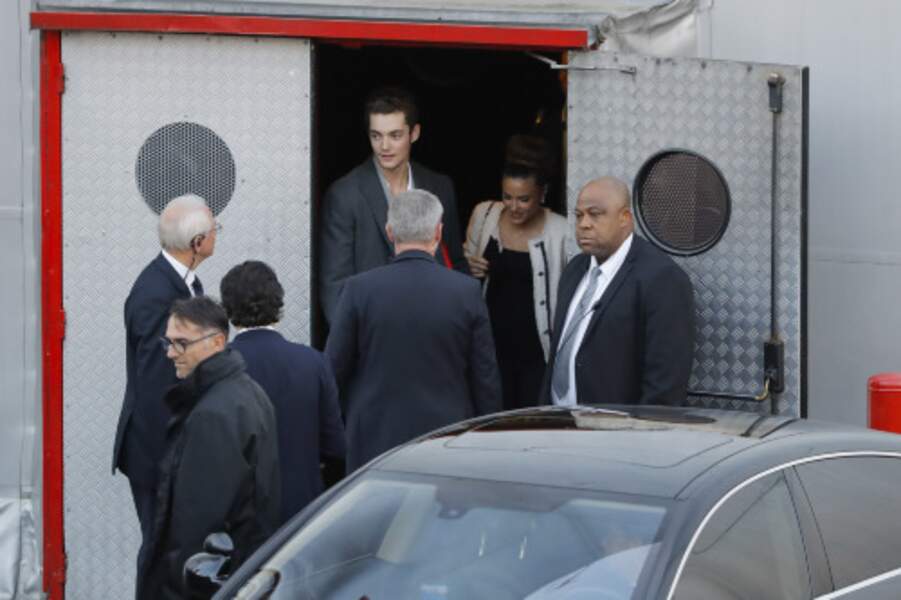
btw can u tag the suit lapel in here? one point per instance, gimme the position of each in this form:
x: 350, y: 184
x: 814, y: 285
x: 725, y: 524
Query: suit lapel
x: 610, y: 293
x: 371, y: 189
x: 421, y: 181
x: 568, y: 287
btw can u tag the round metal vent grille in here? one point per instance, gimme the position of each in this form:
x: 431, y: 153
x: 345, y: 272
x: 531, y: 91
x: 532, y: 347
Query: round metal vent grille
x: 185, y: 158
x: 682, y: 202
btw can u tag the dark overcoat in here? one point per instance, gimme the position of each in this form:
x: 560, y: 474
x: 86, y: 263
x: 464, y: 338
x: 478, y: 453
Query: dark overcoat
x: 412, y: 351
x: 301, y: 387
x: 141, y: 431
x: 219, y: 473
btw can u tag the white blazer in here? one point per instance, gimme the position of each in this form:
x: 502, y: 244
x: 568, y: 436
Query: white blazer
x: 547, y: 254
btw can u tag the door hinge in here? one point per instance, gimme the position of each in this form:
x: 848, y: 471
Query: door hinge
x: 555, y: 66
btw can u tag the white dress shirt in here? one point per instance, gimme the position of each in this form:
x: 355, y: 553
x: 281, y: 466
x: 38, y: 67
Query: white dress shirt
x: 608, y: 268
x: 183, y: 272
x: 385, y: 186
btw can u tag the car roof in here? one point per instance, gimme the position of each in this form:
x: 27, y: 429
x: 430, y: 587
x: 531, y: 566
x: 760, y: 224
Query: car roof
x: 650, y: 451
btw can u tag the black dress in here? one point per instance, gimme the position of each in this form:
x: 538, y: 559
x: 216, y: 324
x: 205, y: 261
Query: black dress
x: 512, y: 311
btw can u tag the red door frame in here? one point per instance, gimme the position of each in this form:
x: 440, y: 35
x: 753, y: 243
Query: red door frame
x: 52, y: 82
x: 53, y: 317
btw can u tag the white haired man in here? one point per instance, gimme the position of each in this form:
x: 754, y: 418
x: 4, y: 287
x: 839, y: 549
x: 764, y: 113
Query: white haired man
x: 187, y: 232
x: 411, y: 342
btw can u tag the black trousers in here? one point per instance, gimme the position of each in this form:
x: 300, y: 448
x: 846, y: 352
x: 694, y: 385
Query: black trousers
x: 521, y: 381
x: 145, y: 505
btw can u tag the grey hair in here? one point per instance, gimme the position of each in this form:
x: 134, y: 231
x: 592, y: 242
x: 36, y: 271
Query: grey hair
x: 183, y: 219
x: 413, y: 216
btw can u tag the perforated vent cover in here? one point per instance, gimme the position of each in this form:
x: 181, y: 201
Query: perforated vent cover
x: 185, y: 158
x: 682, y: 202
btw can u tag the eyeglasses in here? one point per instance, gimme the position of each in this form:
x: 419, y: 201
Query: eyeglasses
x: 180, y: 345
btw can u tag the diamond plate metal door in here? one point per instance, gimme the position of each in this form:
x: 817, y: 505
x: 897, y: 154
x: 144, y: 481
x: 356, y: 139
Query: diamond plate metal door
x: 624, y: 109
x: 235, y: 114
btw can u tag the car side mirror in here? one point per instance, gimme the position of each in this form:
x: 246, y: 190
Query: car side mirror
x: 205, y: 572
x: 219, y: 543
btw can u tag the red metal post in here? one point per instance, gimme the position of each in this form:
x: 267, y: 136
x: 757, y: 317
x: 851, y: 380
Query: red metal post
x: 53, y: 316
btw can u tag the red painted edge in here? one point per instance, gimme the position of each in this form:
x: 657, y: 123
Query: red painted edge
x: 53, y: 316
x: 442, y: 34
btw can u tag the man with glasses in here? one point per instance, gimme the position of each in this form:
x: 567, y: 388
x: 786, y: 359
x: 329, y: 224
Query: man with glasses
x: 220, y: 469
x: 187, y: 233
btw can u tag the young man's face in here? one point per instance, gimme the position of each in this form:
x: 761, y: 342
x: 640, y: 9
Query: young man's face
x: 391, y: 139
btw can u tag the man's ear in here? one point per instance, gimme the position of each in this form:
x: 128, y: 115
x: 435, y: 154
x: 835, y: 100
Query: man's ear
x: 221, y: 341
x: 439, y: 229
x: 414, y: 133
x: 390, y: 233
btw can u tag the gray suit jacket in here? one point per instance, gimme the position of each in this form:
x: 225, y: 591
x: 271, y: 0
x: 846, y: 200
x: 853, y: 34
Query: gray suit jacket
x: 354, y: 213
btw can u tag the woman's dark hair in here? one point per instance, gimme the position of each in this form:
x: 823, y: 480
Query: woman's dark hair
x: 528, y: 156
x: 252, y: 295
x: 202, y: 311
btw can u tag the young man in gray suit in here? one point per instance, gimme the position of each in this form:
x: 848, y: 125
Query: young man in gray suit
x: 410, y: 342
x: 355, y: 207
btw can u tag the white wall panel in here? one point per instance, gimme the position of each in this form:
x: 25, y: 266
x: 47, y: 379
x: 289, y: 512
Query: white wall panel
x: 19, y: 330
x: 852, y: 49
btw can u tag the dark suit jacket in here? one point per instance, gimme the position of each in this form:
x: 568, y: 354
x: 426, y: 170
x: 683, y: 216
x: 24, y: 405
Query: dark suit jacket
x: 354, y: 213
x: 412, y: 351
x: 141, y: 432
x: 639, y: 344
x: 300, y: 384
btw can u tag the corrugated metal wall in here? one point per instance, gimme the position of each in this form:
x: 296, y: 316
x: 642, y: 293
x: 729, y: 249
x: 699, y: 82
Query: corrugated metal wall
x: 254, y: 94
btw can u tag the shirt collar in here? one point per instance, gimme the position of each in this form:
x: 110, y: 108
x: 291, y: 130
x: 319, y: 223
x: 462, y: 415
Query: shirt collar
x: 610, y: 266
x: 387, y: 188
x: 240, y: 330
x: 183, y: 272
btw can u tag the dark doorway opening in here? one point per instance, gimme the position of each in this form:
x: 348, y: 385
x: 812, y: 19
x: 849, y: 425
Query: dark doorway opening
x: 471, y: 102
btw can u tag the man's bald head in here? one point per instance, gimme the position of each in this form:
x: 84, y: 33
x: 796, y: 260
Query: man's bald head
x: 614, y: 187
x: 603, y: 217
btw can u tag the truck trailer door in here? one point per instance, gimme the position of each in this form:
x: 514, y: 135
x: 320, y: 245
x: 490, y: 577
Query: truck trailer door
x: 703, y: 144
x: 147, y: 117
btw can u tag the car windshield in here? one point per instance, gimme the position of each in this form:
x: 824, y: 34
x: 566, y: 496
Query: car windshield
x: 430, y: 538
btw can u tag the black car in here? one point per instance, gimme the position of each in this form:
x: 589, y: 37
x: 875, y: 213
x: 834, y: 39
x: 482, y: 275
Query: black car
x: 602, y: 503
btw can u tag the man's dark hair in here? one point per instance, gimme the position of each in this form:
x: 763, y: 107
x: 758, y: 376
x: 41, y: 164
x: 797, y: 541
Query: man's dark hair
x: 252, y: 295
x: 387, y: 100
x: 528, y: 156
x: 202, y: 311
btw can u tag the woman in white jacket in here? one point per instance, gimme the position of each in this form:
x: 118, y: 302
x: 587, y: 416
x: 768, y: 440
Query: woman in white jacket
x: 517, y: 246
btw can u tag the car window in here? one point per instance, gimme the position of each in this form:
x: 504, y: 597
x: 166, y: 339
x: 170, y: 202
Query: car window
x: 751, y: 548
x: 447, y: 538
x: 856, y: 502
